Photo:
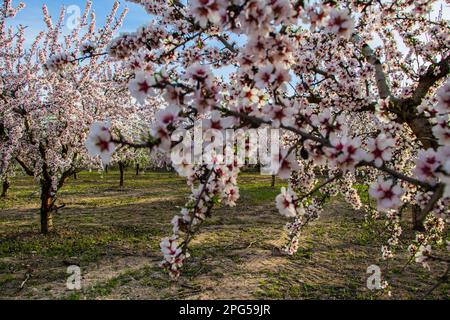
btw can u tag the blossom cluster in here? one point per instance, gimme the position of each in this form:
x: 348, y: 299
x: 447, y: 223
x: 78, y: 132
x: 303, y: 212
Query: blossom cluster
x: 219, y: 186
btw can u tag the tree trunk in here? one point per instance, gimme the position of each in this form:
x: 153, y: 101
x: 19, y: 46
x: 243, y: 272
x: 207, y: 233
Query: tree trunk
x: 5, y: 188
x: 137, y: 169
x: 106, y: 169
x: 422, y: 129
x: 121, y: 170
x: 417, y: 220
x: 46, y: 208
x: 273, y: 181
x: 75, y: 176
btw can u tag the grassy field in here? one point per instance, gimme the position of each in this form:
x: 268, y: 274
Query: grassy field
x: 113, y: 234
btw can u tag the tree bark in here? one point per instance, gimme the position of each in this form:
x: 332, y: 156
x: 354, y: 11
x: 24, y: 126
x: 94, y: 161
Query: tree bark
x: 5, y: 188
x: 47, y: 200
x: 137, y: 169
x: 417, y: 220
x: 422, y: 129
x: 121, y: 170
x: 273, y: 181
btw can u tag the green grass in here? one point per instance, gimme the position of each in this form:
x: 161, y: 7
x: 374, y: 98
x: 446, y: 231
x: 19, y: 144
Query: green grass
x: 114, y: 234
x: 363, y: 192
x: 102, y: 189
x: 256, y: 193
x: 89, y: 242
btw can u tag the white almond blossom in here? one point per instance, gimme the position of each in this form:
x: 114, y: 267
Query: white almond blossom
x: 141, y: 86
x: 99, y: 141
x: 386, y: 193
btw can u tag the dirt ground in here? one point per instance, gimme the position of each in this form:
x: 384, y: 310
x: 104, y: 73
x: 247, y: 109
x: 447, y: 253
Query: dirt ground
x: 113, y: 235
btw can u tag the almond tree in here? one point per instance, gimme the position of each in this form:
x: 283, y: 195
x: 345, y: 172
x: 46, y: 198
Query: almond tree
x: 53, y: 98
x: 128, y: 125
x: 11, y: 79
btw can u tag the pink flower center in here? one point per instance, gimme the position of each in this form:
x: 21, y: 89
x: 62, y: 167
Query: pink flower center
x: 144, y: 87
x: 103, y: 145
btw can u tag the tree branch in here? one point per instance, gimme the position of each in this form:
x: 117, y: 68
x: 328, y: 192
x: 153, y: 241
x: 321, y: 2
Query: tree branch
x: 383, y: 88
x: 28, y: 171
x: 429, y: 78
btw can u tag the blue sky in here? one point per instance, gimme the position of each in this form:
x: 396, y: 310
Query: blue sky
x: 31, y: 16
